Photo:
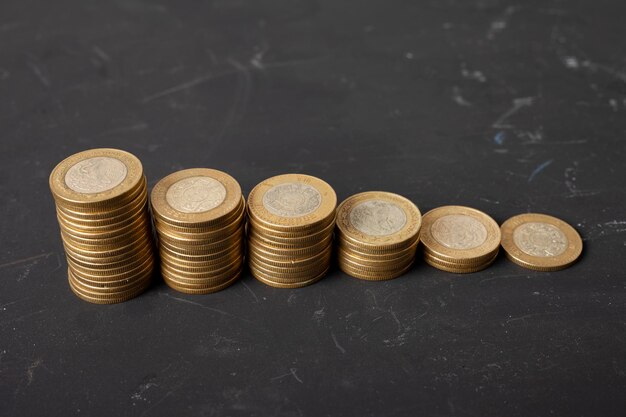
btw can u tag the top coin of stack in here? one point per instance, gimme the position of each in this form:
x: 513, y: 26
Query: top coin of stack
x: 540, y: 242
x: 378, y: 234
x: 459, y: 239
x: 291, y: 219
x: 101, y: 203
x: 199, y: 216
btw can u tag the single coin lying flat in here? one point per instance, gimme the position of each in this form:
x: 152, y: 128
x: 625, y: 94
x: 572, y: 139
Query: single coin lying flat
x: 540, y: 242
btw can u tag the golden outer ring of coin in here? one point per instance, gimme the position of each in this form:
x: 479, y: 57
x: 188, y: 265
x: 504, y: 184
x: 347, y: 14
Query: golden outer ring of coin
x: 147, y: 251
x: 355, y: 273
x: 168, y: 214
x: 106, y: 270
x: 457, y: 265
x: 268, y: 280
x: 367, y: 261
x: 213, y: 258
x: 293, y: 241
x: 371, y: 250
x: 205, y: 274
x: 189, y: 280
x: 66, y: 196
x: 289, y: 274
x: 85, y: 285
x: 106, y: 229
x: 202, y: 240
x: 388, y: 256
x: 408, y: 233
x: 323, y: 228
x: 288, y: 254
x: 202, y: 267
x: 104, y: 222
x: 109, y: 244
x: 109, y: 288
x: 136, y: 271
x: 237, y: 246
x: 200, y: 250
x: 208, y: 290
x: 109, y: 256
x: 464, y: 262
x: 200, y: 284
x: 226, y: 221
x: 105, y: 241
x: 200, y: 236
x: 141, y: 236
x: 291, y: 263
x: 311, y: 221
x: 265, y: 241
x: 103, y: 213
x: 104, y: 236
x: 107, y: 298
x: 431, y: 244
x: 374, y: 269
x: 537, y: 263
x: 456, y: 270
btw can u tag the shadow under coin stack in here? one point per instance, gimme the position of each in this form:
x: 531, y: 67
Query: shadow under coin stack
x: 291, y: 219
x: 199, y: 217
x: 459, y: 239
x: 101, y: 203
x: 377, y: 235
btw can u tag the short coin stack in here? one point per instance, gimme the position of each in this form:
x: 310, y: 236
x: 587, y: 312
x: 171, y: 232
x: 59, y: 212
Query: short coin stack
x: 199, y: 216
x: 459, y: 239
x: 101, y: 203
x: 377, y: 235
x: 540, y: 242
x: 291, y: 219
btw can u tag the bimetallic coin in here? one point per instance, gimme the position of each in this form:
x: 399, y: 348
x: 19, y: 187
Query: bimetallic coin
x: 373, y: 276
x: 273, y: 282
x: 186, y: 289
x: 540, y: 242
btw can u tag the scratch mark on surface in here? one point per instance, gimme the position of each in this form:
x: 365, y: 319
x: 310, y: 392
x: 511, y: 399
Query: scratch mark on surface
x: 256, y: 299
x: 30, y: 372
x: 318, y: 315
x: 101, y: 54
x: 539, y: 168
x: 528, y: 316
x: 500, y: 23
x: 225, y: 313
x: 458, y: 98
x: 518, y: 103
x: 337, y: 345
x: 292, y: 372
x: 39, y: 73
x: 24, y: 260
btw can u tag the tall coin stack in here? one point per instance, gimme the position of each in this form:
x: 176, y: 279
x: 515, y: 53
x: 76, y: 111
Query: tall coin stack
x: 291, y: 219
x: 377, y: 235
x: 199, y: 216
x: 101, y: 203
x: 459, y: 239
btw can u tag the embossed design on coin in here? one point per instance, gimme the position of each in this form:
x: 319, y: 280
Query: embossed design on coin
x: 457, y: 231
x: 540, y: 239
x: 195, y: 194
x: 292, y: 199
x: 377, y: 218
x: 95, y: 175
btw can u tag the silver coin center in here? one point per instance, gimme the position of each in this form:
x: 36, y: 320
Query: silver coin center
x: 377, y: 218
x: 458, y: 231
x: 292, y: 199
x: 540, y: 239
x: 195, y: 194
x: 95, y: 175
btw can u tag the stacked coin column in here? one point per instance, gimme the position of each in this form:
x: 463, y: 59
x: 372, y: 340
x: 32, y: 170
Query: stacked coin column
x: 460, y: 239
x: 199, y: 216
x: 291, y: 219
x: 101, y: 204
x: 377, y: 235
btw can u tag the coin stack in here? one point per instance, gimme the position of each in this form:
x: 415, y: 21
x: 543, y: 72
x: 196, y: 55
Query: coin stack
x: 199, y: 216
x: 459, y: 239
x: 377, y: 234
x: 540, y: 242
x: 291, y: 219
x: 101, y: 204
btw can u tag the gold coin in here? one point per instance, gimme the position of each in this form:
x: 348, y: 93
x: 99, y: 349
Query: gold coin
x: 197, y: 196
x: 377, y: 276
x: 272, y: 282
x: 216, y: 241
x: 378, y: 220
x: 235, y: 218
x: 287, y: 254
x: 447, y: 267
x: 142, y: 268
x: 237, y: 246
x: 208, y: 290
x: 385, y: 256
x: 110, y: 256
x: 202, y: 266
x: 471, y: 262
x: 457, y: 233
x: 540, y: 242
x: 372, y: 250
x: 296, y: 262
x: 324, y: 229
x: 93, y: 229
x: 109, y: 270
x: 113, y: 287
x: 200, y: 237
x: 205, y: 274
x: 107, y: 298
x: 132, y: 233
x: 292, y: 202
x: 288, y: 274
x: 368, y: 261
x: 184, y: 278
x: 374, y: 269
x: 103, y: 223
x: 95, y: 178
x: 201, y: 250
x: 256, y: 239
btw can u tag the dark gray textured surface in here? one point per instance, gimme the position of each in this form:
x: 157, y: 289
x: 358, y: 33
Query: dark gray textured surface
x: 504, y: 106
